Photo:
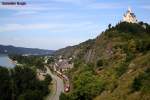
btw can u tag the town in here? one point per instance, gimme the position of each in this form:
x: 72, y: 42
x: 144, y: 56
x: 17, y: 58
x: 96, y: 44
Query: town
x: 58, y: 66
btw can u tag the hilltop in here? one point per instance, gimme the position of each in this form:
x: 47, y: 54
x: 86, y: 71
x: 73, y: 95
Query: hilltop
x: 113, y: 66
x: 109, y: 40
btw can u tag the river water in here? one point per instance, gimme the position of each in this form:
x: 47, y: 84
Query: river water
x: 5, y: 61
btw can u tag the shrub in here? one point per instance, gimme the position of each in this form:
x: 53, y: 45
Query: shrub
x: 86, y: 86
x: 48, y: 79
x: 130, y: 56
x: 31, y: 95
x: 142, y: 82
x: 143, y: 45
x: 121, y: 69
x: 63, y: 96
x: 100, y: 63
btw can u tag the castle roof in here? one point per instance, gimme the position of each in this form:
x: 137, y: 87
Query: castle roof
x: 129, y: 16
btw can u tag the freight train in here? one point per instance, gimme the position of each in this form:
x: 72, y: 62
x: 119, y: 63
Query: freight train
x: 65, y: 79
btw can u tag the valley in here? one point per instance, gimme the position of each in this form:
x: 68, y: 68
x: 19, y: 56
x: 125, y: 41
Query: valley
x: 106, y: 58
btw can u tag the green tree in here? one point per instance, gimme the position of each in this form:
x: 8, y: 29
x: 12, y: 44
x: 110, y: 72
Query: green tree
x: 31, y: 95
x: 87, y: 86
x: 109, y: 26
x: 48, y: 79
x: 5, y: 84
x: 63, y: 96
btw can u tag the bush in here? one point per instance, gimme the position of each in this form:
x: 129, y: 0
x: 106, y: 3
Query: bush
x: 121, y: 69
x: 48, y: 79
x: 130, y: 56
x: 142, y: 82
x: 50, y: 60
x: 136, y: 84
x: 31, y: 95
x: 63, y: 96
x: 86, y: 86
x: 99, y: 63
x: 143, y: 45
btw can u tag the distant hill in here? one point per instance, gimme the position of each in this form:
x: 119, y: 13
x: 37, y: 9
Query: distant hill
x: 113, y: 66
x: 21, y: 50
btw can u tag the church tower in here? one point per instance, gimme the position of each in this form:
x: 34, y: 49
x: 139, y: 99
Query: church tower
x: 129, y: 16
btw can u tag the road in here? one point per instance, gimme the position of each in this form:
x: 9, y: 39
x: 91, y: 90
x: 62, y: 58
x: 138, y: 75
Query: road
x: 58, y: 86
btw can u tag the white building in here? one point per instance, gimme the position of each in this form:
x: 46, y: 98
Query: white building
x: 129, y: 17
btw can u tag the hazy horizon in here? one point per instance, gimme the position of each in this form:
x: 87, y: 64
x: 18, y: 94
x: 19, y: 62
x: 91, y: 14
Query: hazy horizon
x: 55, y: 24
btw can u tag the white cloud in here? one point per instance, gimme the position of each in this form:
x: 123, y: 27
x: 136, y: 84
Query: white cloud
x: 22, y: 27
x: 104, y: 6
x: 51, y: 27
x: 66, y: 34
x: 30, y: 9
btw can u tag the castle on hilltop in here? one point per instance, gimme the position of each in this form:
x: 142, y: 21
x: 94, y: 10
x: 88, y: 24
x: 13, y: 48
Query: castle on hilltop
x: 129, y: 16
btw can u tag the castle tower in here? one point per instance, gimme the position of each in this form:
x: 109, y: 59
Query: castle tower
x: 129, y: 16
x: 129, y: 9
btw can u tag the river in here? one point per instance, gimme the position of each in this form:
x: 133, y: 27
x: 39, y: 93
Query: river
x: 5, y: 61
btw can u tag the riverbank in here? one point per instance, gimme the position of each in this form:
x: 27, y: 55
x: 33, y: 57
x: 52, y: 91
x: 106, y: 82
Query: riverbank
x: 5, y: 61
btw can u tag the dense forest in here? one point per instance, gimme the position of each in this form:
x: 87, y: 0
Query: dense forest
x: 32, y: 61
x: 21, y: 83
x: 114, y: 66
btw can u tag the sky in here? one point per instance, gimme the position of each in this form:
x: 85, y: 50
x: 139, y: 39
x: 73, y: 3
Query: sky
x: 55, y: 24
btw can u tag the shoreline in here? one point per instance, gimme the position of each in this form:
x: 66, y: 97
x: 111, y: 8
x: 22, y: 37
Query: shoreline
x: 6, y: 61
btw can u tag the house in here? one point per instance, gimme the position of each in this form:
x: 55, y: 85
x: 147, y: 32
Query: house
x: 63, y: 65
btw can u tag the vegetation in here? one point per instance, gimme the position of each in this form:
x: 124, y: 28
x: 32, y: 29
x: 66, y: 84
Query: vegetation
x: 117, y: 57
x: 25, y: 82
x: 100, y: 63
x: 5, y: 84
x: 86, y: 85
x: 32, y: 61
x: 142, y: 82
x: 121, y: 69
x: 21, y: 83
x: 122, y: 52
x: 50, y: 60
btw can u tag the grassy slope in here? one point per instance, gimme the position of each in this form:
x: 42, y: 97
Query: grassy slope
x: 125, y: 53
